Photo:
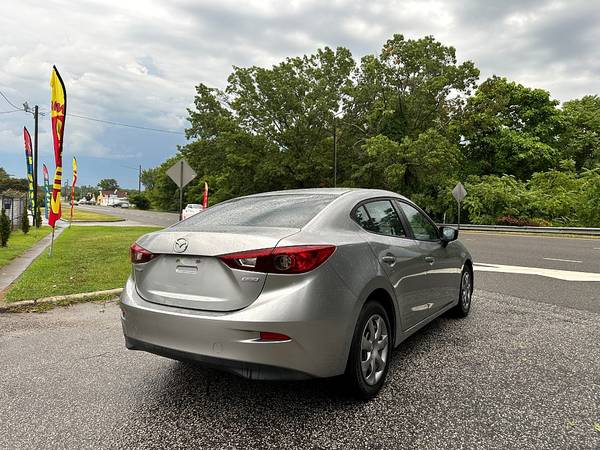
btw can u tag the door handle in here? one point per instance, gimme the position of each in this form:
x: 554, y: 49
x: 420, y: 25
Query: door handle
x: 430, y: 259
x: 390, y: 259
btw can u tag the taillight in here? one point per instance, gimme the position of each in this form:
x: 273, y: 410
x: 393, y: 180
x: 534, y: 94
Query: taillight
x: 295, y: 259
x: 273, y: 337
x: 139, y: 254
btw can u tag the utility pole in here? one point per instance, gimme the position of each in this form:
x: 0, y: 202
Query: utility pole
x: 35, y: 183
x: 334, y: 153
x: 140, y: 179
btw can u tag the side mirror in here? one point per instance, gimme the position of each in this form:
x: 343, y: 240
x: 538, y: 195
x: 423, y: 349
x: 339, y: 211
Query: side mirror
x: 448, y: 234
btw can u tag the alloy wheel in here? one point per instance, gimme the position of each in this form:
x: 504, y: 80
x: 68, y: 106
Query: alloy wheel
x: 374, y: 349
x: 465, y: 292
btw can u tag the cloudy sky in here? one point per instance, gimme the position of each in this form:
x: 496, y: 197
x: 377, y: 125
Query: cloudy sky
x: 137, y: 62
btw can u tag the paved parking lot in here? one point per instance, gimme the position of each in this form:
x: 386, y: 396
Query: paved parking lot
x: 516, y: 373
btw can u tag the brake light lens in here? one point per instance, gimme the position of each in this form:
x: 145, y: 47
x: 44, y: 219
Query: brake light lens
x: 139, y: 254
x: 288, y: 260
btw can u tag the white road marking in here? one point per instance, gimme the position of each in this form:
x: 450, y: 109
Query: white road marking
x: 563, y: 260
x: 596, y: 248
x: 567, y: 275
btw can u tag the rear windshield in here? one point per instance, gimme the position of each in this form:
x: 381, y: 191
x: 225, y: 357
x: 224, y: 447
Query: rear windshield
x: 278, y: 211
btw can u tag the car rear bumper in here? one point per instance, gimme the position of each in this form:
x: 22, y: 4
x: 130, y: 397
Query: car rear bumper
x: 319, y: 344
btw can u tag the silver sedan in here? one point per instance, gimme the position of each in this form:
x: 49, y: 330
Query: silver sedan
x: 295, y: 284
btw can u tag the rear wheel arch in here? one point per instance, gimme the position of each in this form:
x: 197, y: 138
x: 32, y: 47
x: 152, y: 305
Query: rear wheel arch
x: 382, y: 296
x: 468, y: 264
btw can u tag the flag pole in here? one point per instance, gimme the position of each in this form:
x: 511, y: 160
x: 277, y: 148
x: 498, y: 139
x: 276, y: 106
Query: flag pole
x: 51, y: 242
x: 72, y: 197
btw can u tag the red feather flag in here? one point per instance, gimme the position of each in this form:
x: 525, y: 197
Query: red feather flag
x: 205, y: 196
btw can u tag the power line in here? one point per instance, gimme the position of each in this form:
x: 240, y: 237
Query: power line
x: 93, y: 119
x: 9, y: 102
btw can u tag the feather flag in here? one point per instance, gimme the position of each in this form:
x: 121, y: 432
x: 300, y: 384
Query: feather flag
x: 46, y: 190
x: 205, y: 196
x: 59, y: 110
x: 73, y: 186
x: 29, y: 158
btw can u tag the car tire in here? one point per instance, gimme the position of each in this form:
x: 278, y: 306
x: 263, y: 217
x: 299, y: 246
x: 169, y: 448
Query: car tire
x: 369, y: 358
x: 465, y: 295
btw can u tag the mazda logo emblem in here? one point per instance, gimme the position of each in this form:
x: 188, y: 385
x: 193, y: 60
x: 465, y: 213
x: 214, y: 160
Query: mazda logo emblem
x: 180, y: 245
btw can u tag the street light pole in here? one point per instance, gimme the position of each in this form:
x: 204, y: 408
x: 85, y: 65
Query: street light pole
x: 334, y: 153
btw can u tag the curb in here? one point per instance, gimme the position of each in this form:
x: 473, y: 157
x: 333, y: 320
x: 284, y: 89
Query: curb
x: 7, y: 307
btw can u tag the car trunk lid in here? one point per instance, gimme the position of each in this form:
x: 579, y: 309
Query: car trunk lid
x: 186, y: 271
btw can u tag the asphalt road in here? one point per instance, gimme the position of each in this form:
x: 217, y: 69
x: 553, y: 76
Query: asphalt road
x: 514, y: 374
x: 156, y: 218
x: 558, y: 253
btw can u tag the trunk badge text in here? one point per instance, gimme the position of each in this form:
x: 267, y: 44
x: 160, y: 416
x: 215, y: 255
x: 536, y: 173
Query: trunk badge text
x: 252, y: 279
x: 180, y: 245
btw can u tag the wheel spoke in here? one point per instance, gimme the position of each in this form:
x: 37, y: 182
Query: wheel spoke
x: 364, y: 365
x: 379, y: 363
x: 365, y: 344
x: 371, y: 329
x: 381, y: 343
x: 371, y: 378
x: 378, y: 322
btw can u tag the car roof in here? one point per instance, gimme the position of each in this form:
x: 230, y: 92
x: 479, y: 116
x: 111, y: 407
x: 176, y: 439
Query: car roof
x: 332, y: 191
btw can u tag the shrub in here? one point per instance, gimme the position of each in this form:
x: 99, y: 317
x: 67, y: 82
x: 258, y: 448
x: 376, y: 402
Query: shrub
x: 5, y: 228
x: 139, y: 200
x: 25, y: 221
x: 522, y: 221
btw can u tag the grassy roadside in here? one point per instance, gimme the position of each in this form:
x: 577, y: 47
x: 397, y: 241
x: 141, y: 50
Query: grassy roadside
x: 80, y: 215
x: 19, y: 242
x: 85, y: 259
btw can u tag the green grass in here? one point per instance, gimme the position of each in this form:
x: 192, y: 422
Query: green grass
x: 80, y: 215
x: 19, y: 242
x: 85, y: 259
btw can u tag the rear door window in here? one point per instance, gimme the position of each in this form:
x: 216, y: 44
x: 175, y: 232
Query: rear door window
x: 379, y: 216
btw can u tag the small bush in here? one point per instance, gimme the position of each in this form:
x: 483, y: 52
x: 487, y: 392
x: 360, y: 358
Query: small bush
x: 139, y: 200
x: 25, y: 222
x: 522, y: 222
x: 5, y: 228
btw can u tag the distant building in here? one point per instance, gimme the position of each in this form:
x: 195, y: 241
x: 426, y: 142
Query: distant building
x: 110, y: 197
x: 13, y: 203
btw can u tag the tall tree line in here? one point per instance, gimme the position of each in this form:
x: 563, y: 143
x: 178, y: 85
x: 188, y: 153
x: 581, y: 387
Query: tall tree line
x: 412, y: 119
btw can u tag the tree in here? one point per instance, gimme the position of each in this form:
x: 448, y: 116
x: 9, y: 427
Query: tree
x: 510, y: 129
x: 5, y: 228
x: 140, y: 200
x: 271, y: 128
x: 38, y: 215
x: 7, y: 182
x: 412, y: 86
x: 423, y: 168
x: 581, y: 136
x: 108, y: 184
x: 25, y: 221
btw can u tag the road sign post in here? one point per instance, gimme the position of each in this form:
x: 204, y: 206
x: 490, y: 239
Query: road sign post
x: 181, y: 173
x: 459, y: 193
